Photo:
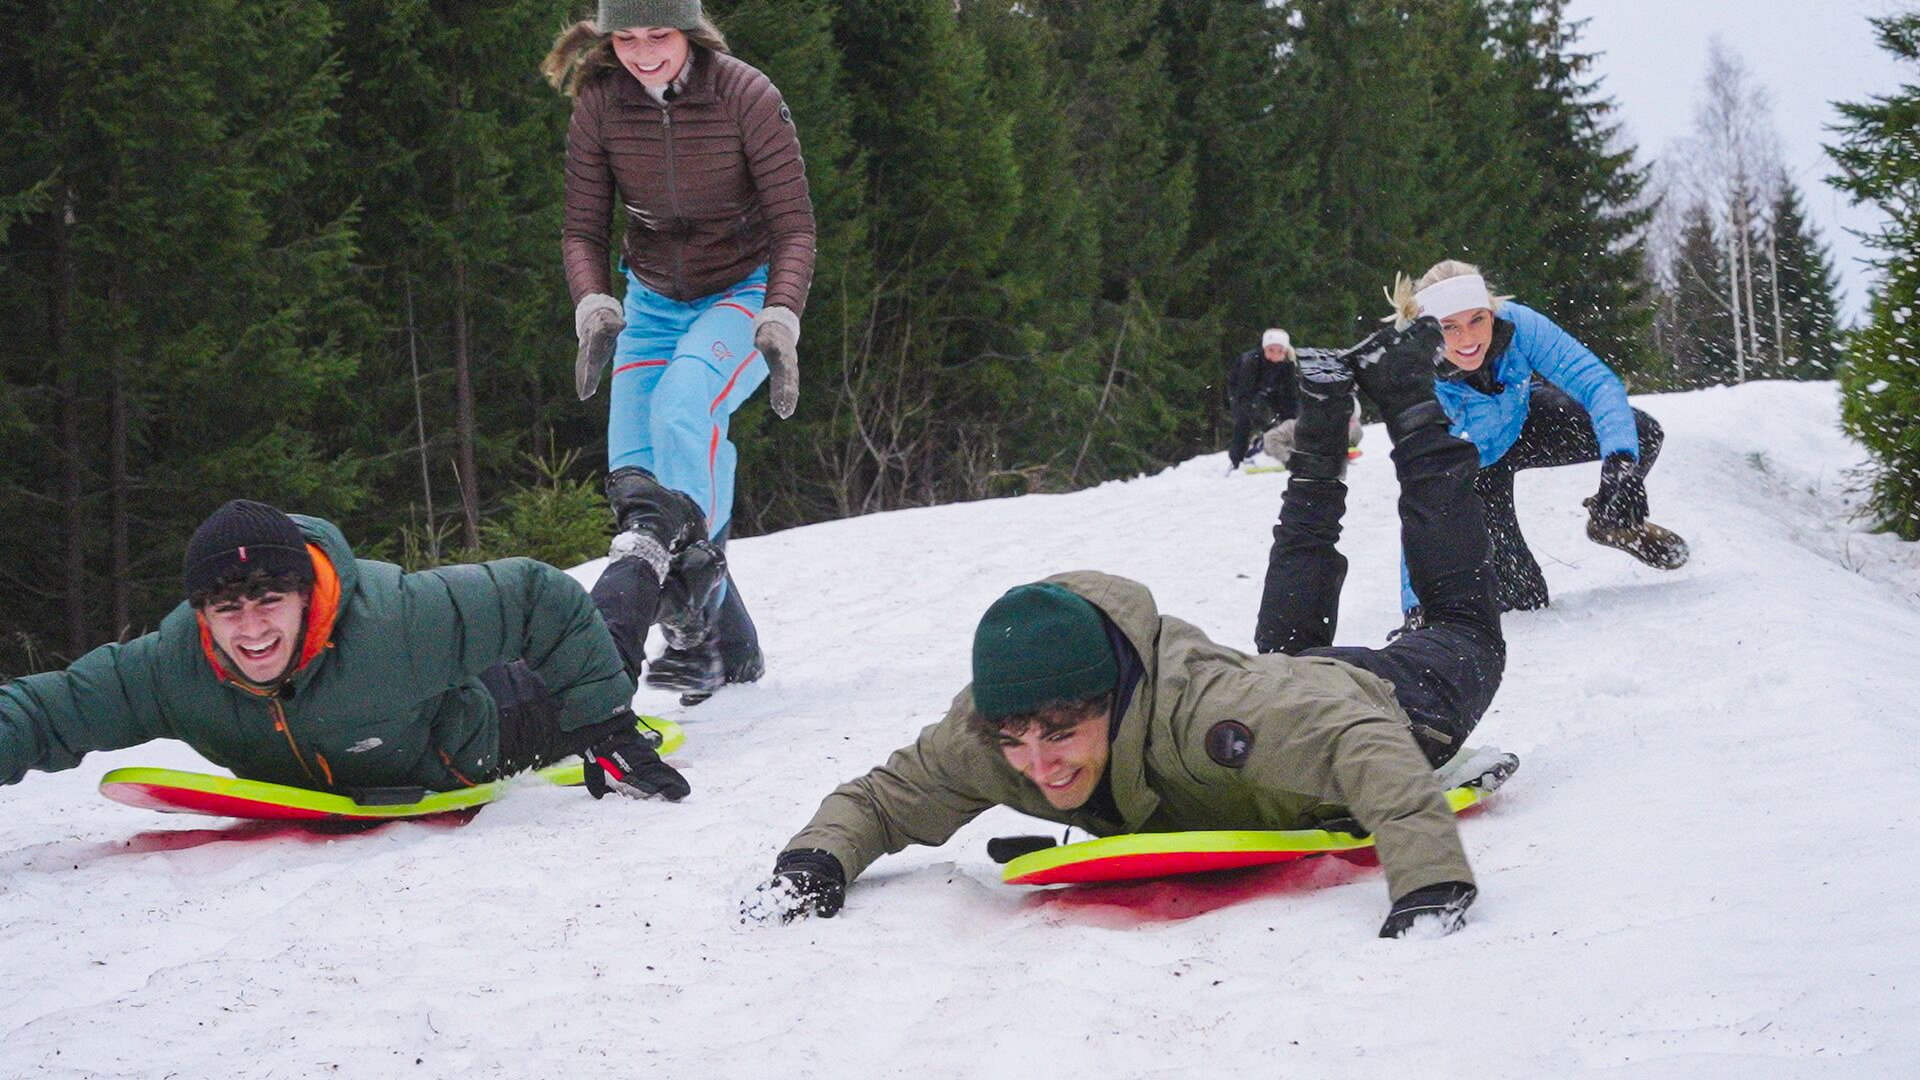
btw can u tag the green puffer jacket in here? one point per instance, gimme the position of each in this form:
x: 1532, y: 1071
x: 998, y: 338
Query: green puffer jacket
x: 387, y: 691
x: 1322, y: 732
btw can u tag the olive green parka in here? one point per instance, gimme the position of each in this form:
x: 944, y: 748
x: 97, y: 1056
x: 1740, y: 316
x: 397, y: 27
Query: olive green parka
x: 1315, y: 734
x: 386, y: 690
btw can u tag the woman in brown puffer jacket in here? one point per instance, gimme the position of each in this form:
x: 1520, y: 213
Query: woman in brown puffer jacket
x: 696, y: 152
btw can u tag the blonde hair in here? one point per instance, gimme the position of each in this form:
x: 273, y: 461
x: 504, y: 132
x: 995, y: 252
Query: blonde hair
x: 581, y: 53
x: 1402, y: 296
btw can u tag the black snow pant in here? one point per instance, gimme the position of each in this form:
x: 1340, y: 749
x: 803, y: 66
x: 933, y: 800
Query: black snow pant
x: 1558, y: 431
x: 1443, y: 674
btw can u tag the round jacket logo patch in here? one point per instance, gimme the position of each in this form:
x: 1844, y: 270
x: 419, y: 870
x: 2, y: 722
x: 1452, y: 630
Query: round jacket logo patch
x: 1229, y: 742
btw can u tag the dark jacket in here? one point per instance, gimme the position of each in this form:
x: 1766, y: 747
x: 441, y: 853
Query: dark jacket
x: 1319, y: 734
x: 711, y: 183
x: 1260, y: 394
x: 385, y: 691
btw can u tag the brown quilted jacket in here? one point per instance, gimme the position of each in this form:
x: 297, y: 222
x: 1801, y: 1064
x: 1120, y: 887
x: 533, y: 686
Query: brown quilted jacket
x: 712, y: 183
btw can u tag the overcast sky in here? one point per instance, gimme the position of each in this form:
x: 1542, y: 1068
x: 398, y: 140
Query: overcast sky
x: 1806, y: 54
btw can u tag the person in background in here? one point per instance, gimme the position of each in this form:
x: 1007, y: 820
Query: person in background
x: 1263, y: 402
x: 695, y: 152
x: 1529, y: 396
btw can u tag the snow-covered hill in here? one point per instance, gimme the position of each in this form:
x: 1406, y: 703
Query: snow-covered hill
x: 1706, y: 866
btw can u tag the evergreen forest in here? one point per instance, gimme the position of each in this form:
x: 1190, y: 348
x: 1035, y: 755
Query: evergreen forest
x: 307, y: 252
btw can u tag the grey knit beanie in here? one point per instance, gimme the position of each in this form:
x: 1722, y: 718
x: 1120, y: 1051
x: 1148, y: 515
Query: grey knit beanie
x: 624, y: 14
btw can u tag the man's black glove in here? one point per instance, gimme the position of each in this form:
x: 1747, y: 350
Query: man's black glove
x: 1622, y: 498
x: 1442, y: 907
x: 806, y: 881
x: 626, y: 762
x: 528, y: 714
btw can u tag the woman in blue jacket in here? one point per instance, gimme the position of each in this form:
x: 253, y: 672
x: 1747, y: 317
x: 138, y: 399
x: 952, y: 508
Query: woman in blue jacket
x: 1529, y: 396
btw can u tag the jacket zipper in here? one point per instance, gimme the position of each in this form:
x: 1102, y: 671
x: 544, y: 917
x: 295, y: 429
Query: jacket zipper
x: 280, y: 725
x: 673, y: 202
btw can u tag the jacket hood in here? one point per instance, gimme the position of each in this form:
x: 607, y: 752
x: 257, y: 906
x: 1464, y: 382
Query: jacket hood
x: 327, y: 536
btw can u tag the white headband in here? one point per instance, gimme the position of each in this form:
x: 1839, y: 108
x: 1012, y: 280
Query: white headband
x: 1453, y: 295
x: 1276, y: 337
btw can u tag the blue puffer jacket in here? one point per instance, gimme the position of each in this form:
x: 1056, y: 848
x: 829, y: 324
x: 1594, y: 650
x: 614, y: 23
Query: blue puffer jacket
x: 1492, y: 422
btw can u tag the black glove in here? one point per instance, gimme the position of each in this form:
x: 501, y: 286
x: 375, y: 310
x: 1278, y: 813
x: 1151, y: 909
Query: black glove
x: 806, y: 881
x: 1622, y: 498
x: 1236, y: 453
x: 626, y: 762
x: 1444, y: 906
x: 528, y: 714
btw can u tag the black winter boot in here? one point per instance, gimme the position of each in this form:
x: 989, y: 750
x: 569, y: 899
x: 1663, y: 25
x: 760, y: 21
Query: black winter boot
x: 643, y: 505
x: 1326, y: 407
x: 1396, y: 369
x: 730, y: 653
x: 690, y: 596
x: 654, y: 526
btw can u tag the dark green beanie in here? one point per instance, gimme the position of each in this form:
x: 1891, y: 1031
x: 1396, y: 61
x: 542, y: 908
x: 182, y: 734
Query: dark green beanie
x: 1039, y: 644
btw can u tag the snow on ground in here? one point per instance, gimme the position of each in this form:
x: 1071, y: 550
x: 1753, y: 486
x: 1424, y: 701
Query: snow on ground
x: 1705, y: 867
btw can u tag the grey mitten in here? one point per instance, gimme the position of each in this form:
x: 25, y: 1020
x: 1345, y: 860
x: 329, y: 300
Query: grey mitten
x: 1278, y: 441
x: 597, y: 322
x: 776, y: 333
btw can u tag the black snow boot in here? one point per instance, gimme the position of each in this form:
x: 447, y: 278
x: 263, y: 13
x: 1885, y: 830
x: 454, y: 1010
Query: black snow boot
x: 703, y: 669
x: 1396, y: 369
x: 1326, y: 406
x: 690, y: 596
x: 654, y: 526
x: 730, y: 653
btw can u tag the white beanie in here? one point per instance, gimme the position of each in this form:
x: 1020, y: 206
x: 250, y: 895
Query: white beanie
x: 1276, y: 337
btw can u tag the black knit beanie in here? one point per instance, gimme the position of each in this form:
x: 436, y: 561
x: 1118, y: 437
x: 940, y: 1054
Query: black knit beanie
x: 241, y: 539
x: 1036, y: 645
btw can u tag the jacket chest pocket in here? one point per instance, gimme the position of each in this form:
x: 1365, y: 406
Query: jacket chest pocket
x: 368, y: 750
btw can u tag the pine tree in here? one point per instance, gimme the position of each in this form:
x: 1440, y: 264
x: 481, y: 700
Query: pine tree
x: 1586, y: 264
x: 1141, y: 397
x: 1881, y: 382
x: 781, y: 480
x: 1354, y: 173
x: 447, y: 143
x: 172, y: 305
x: 1696, y: 330
x: 943, y: 188
x: 1229, y: 119
x: 1808, y: 293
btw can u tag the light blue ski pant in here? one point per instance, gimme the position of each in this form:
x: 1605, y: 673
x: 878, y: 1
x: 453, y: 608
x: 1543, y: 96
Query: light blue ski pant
x: 679, y: 372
